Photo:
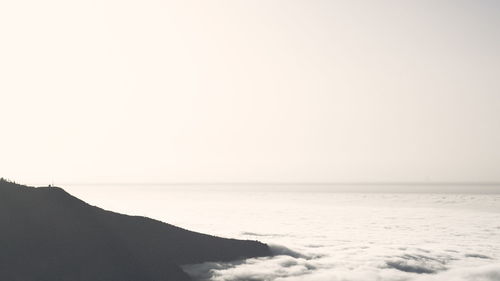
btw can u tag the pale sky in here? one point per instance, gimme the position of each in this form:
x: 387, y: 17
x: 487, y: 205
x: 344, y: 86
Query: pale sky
x: 249, y: 91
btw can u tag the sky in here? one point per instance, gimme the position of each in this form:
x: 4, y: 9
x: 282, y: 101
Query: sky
x: 249, y: 91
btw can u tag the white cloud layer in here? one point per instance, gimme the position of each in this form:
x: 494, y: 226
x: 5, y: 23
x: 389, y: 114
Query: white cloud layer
x: 373, y: 237
x: 286, y: 268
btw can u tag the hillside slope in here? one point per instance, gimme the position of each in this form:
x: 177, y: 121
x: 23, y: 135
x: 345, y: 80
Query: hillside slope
x: 48, y: 235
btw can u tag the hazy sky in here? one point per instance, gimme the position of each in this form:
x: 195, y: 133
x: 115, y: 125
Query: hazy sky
x: 261, y: 91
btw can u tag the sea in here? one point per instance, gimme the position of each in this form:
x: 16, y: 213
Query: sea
x: 326, y: 234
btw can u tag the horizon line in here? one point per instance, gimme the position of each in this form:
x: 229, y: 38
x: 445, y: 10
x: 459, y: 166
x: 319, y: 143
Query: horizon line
x: 461, y: 183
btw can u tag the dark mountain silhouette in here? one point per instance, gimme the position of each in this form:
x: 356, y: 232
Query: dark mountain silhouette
x: 48, y: 235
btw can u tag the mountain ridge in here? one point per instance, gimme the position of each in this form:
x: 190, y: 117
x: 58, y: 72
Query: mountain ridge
x: 49, y: 235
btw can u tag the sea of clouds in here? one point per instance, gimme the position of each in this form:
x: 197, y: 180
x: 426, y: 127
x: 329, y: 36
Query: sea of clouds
x: 369, y: 237
x: 327, y: 236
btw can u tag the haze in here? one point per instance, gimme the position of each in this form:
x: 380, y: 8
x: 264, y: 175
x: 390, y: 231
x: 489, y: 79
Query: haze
x: 249, y: 91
